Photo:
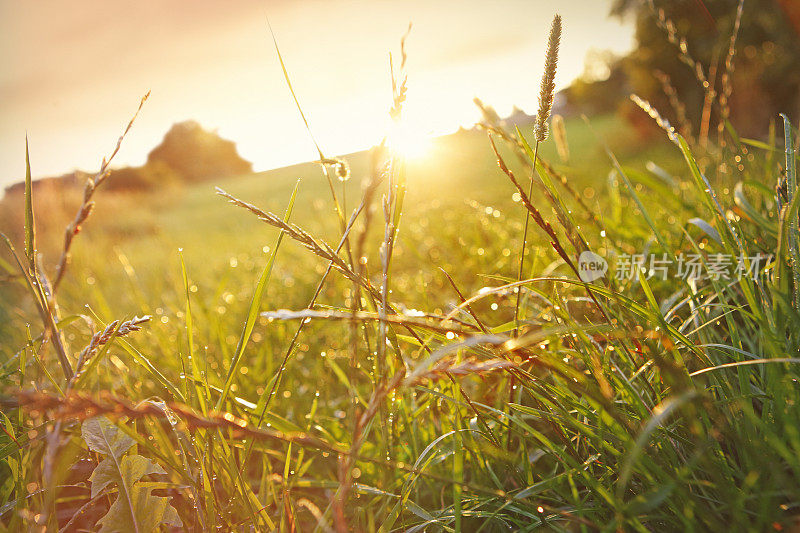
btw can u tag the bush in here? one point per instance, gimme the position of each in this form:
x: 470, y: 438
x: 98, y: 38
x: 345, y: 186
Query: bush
x: 198, y: 155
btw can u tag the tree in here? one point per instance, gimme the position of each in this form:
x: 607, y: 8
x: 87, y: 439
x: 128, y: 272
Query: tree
x: 196, y: 154
x: 682, y: 43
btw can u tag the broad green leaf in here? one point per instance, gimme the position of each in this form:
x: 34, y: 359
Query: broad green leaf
x: 104, y: 437
x: 132, y: 467
x: 9, y: 426
x: 135, y: 508
x: 148, y: 512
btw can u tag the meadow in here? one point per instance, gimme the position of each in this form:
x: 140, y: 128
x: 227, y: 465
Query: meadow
x: 409, y: 396
x: 126, y: 228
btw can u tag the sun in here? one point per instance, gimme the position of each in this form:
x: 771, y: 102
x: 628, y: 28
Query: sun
x: 409, y: 142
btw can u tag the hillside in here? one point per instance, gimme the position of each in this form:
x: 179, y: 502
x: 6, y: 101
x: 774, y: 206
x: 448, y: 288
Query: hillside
x: 457, y: 178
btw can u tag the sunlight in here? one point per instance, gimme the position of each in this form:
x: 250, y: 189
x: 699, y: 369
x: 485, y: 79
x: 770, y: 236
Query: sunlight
x: 408, y: 141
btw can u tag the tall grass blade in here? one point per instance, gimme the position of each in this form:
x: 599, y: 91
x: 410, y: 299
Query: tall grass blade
x: 791, y: 177
x: 196, y: 374
x: 255, y: 304
x: 30, y: 232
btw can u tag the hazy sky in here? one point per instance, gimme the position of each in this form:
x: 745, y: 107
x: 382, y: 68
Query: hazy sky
x: 72, y: 72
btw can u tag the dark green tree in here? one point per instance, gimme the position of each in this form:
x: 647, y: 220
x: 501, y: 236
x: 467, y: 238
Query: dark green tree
x: 683, y: 44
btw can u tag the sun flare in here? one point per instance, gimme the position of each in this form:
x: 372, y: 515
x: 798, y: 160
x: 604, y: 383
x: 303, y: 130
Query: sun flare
x: 408, y: 141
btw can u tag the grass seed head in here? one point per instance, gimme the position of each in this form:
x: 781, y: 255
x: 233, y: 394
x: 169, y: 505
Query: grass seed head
x: 548, y: 80
x: 663, y: 123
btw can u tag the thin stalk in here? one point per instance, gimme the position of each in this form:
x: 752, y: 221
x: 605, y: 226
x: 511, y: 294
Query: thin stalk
x: 524, y: 243
x: 791, y: 176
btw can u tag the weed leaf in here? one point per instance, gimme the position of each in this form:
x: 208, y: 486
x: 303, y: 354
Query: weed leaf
x: 104, y: 437
x: 136, y: 508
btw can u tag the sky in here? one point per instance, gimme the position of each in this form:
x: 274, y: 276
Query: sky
x: 72, y: 72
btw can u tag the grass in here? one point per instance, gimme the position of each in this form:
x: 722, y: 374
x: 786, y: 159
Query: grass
x: 210, y: 234
x: 407, y: 401
x: 195, y: 220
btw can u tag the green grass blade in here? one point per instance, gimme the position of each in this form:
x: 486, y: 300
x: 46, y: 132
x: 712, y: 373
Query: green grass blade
x: 791, y: 176
x: 196, y: 375
x: 660, y: 415
x: 30, y: 232
x: 255, y: 305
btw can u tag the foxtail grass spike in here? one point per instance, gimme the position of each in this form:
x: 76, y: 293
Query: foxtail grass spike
x: 548, y: 80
